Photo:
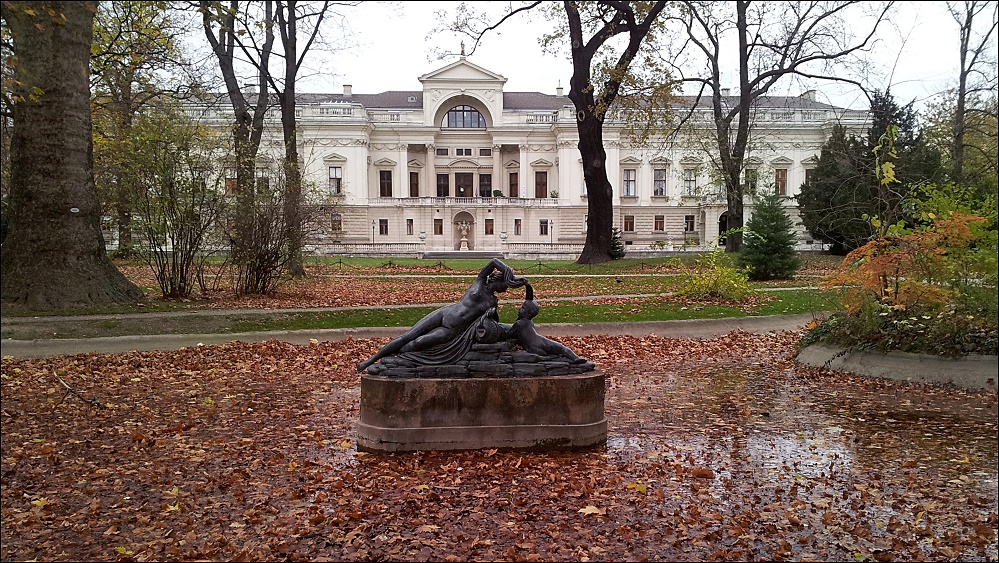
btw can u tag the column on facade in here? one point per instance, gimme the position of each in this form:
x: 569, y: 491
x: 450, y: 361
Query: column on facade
x: 431, y: 188
x: 646, y: 181
x: 497, y: 167
x: 403, y: 167
x: 524, y: 184
x: 613, y: 167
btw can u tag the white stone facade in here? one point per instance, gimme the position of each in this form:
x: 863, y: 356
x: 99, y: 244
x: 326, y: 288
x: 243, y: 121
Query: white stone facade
x: 393, y: 175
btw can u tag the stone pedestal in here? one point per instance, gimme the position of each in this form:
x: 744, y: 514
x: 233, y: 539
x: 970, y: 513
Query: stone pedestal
x: 543, y: 413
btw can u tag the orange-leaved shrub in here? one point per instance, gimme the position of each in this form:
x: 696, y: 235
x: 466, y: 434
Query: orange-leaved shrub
x: 928, y: 289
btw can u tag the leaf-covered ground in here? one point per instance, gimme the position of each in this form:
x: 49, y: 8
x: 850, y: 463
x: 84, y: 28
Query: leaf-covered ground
x: 717, y: 450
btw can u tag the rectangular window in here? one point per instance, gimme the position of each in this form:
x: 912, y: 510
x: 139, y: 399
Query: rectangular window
x: 489, y: 226
x: 516, y: 227
x: 541, y: 184
x: 336, y: 222
x: 383, y: 226
x: 385, y: 183
x: 514, y: 184
x: 688, y: 223
x: 485, y: 152
x: 629, y: 223
x: 485, y: 185
x: 409, y: 226
x: 462, y: 152
x: 751, y: 180
x: 543, y: 227
x: 809, y: 176
x: 463, y: 184
x: 414, y: 184
x: 689, y: 181
x: 441, y: 151
x: 780, y: 180
x: 438, y: 226
x: 659, y: 182
x: 335, y: 180
x: 231, y: 186
x: 630, y: 179
x: 443, y: 185
x: 659, y: 223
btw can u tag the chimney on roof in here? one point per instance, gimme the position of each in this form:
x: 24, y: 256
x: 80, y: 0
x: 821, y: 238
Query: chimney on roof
x: 558, y: 91
x: 348, y: 90
x: 726, y: 91
x: 808, y: 95
x: 249, y: 88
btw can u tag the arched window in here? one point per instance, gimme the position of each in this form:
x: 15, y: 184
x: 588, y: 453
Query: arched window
x: 464, y: 117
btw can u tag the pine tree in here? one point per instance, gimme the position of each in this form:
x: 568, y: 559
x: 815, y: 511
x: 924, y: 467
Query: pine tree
x: 617, y: 247
x: 768, y: 249
x: 844, y: 186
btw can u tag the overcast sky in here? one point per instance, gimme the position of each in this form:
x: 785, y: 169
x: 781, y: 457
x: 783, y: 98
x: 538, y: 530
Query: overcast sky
x: 917, y: 56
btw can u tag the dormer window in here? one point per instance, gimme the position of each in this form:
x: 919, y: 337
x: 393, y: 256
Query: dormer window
x: 465, y: 117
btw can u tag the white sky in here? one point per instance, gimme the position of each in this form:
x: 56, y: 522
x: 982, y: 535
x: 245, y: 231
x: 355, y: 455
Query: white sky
x: 917, y: 56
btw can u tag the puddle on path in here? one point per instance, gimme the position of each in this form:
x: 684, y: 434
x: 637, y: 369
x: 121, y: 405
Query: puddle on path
x: 814, y: 457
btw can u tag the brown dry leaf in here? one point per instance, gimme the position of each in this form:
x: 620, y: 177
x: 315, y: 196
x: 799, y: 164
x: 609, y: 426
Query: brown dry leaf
x: 590, y: 509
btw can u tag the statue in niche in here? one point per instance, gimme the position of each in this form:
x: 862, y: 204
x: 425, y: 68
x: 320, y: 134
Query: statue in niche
x: 466, y: 339
x: 463, y: 228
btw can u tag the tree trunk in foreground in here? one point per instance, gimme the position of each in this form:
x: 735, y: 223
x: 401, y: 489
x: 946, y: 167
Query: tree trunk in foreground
x: 599, y: 193
x: 54, y: 255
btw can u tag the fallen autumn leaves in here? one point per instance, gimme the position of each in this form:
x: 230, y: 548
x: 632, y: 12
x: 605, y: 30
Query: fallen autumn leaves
x: 717, y: 449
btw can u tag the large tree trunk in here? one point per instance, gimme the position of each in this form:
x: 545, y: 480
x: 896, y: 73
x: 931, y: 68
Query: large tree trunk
x: 599, y: 193
x: 54, y: 255
x: 293, y: 195
x: 292, y: 173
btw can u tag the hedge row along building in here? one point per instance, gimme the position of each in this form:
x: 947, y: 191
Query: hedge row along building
x: 462, y: 165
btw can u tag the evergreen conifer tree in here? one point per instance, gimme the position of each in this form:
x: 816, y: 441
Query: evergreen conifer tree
x: 617, y: 247
x: 768, y: 248
x: 844, y: 187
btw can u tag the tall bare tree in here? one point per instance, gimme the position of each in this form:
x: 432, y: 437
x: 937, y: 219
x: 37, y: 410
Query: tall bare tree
x: 220, y: 22
x: 54, y: 256
x: 258, y: 244
x: 291, y: 18
x: 977, y: 70
x: 771, y: 42
x: 605, y: 39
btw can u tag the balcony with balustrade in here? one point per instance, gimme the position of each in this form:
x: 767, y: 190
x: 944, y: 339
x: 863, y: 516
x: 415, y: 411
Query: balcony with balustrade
x: 464, y: 202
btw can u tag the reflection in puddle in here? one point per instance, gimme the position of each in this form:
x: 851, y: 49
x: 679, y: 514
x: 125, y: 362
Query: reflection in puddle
x: 867, y: 462
x: 804, y: 456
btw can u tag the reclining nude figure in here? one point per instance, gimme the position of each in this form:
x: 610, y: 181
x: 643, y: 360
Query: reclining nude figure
x: 450, y: 322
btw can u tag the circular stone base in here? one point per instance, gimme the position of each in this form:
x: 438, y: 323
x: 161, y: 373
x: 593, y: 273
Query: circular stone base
x: 525, y: 413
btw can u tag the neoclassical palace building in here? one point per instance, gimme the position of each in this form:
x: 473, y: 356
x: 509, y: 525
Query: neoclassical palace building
x: 463, y: 165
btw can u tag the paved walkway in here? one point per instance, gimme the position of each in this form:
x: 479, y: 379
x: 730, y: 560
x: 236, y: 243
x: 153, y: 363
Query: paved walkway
x: 696, y: 328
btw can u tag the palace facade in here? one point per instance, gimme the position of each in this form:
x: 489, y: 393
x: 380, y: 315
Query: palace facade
x: 464, y: 165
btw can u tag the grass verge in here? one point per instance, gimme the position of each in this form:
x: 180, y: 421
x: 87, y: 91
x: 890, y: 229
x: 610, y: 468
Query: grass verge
x: 786, y: 302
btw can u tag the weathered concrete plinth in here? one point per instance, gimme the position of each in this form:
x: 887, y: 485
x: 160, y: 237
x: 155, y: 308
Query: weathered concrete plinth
x: 525, y: 413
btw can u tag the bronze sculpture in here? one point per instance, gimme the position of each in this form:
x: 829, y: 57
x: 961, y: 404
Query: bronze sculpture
x: 466, y: 339
x: 449, y: 327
